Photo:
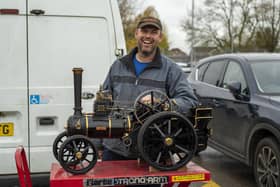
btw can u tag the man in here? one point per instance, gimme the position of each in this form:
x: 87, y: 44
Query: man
x: 144, y: 68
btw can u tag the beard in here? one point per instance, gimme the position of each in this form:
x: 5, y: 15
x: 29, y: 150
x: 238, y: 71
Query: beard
x: 146, y: 52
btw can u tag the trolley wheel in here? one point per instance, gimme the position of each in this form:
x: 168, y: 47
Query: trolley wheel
x: 158, y: 102
x: 77, y: 154
x: 167, y: 141
x: 57, y: 143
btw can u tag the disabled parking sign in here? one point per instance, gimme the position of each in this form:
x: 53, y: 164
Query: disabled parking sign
x: 34, y: 99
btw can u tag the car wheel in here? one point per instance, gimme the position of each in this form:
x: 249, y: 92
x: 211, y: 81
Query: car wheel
x: 267, y: 163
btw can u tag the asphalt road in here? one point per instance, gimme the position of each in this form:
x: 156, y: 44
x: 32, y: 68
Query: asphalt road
x: 225, y: 171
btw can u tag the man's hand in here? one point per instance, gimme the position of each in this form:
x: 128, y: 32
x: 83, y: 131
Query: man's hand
x: 148, y: 100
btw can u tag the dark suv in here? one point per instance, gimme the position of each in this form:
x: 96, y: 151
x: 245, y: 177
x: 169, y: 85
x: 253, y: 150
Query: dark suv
x: 244, y: 92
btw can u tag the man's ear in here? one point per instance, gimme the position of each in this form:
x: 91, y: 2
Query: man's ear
x: 136, y: 33
x: 161, y: 36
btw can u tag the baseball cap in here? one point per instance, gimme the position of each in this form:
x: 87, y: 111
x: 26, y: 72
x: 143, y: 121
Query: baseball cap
x: 152, y: 21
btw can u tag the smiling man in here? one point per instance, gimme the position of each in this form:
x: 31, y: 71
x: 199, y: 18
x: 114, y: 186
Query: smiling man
x: 145, y: 68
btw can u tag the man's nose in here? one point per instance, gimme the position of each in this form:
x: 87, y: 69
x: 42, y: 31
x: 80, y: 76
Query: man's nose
x: 148, y: 35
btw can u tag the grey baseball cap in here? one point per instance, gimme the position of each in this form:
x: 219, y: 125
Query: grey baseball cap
x: 151, y: 21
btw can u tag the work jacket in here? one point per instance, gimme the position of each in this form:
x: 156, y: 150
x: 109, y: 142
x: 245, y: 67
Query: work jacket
x: 161, y: 74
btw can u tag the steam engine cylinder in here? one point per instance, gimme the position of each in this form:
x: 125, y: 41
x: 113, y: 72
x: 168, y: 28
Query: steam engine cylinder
x: 89, y: 126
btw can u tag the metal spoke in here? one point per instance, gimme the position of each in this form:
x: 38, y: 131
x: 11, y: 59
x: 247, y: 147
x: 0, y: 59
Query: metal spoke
x: 91, y: 153
x: 81, y: 163
x: 144, y: 114
x: 269, y: 156
x: 147, y: 106
x: 87, y: 160
x: 169, y: 127
x: 162, y: 102
x: 262, y: 177
x: 158, y: 129
x: 158, y: 157
x: 270, y: 181
x: 178, y: 132
x: 85, y: 150
x: 181, y: 148
x: 178, y: 154
x: 274, y: 180
x: 261, y: 160
x: 75, y: 146
x: 152, y: 98
x: 171, y: 157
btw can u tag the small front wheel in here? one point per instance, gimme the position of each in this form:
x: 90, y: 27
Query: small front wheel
x: 77, y: 154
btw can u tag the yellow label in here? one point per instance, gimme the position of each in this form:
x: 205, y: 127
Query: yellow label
x: 186, y: 178
x: 6, y: 129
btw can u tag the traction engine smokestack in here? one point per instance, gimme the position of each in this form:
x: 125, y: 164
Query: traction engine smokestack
x: 77, y: 90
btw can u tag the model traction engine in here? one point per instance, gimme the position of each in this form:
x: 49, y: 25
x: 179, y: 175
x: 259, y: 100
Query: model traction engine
x: 165, y: 139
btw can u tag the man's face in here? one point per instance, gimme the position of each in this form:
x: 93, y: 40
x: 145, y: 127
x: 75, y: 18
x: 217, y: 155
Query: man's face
x: 148, y: 39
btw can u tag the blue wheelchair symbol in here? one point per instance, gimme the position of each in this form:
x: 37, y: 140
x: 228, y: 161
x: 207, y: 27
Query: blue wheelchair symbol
x: 34, y: 99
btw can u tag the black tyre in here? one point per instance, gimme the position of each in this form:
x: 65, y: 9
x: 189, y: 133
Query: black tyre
x: 167, y: 141
x: 267, y: 163
x: 58, y: 142
x: 77, y: 154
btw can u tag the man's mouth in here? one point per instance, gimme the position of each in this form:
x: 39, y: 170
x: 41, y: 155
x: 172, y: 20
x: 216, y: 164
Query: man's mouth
x: 147, y: 42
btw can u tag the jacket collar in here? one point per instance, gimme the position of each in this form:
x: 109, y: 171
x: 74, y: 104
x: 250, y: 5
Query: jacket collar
x: 128, y: 59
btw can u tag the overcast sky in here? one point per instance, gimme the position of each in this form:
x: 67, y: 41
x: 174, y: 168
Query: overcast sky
x: 172, y: 13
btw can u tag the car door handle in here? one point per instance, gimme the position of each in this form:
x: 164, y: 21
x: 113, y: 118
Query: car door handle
x: 37, y: 12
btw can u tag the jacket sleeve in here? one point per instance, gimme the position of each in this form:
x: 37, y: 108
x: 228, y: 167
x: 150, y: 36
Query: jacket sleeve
x: 107, y: 85
x: 180, y: 91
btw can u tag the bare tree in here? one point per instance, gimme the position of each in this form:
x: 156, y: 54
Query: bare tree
x: 268, y: 17
x: 235, y: 25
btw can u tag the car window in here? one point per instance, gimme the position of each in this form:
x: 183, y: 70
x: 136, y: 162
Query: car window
x: 201, y: 70
x: 234, y: 73
x: 267, y: 75
x: 213, y: 72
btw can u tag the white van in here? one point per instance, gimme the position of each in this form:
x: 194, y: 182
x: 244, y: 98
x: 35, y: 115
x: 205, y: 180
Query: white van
x: 40, y: 42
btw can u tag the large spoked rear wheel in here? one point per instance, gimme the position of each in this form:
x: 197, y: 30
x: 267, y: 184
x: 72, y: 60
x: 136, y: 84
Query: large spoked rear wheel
x: 77, y: 154
x: 58, y: 142
x: 150, y: 102
x: 167, y: 141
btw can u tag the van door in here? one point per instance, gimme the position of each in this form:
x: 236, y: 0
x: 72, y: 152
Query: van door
x: 62, y: 35
x: 13, y: 82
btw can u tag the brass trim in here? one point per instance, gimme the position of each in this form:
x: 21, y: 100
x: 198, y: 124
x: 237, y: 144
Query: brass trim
x: 168, y: 141
x: 101, y: 128
x: 197, y: 117
x: 110, y: 127
x: 78, y: 125
x: 129, y: 123
x: 79, y: 155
